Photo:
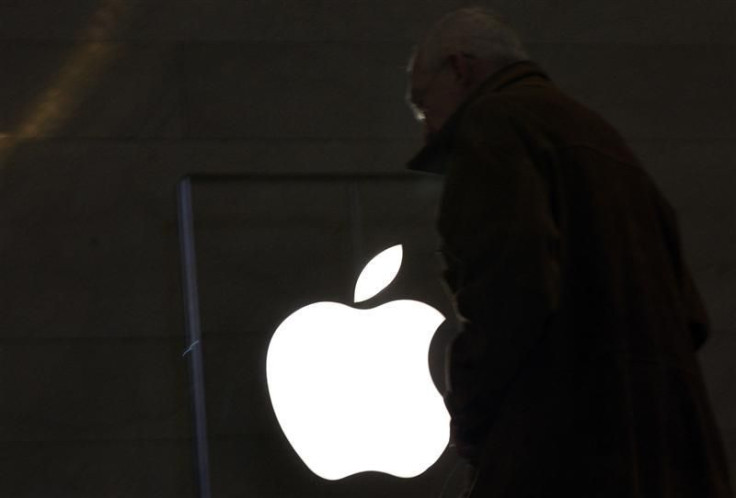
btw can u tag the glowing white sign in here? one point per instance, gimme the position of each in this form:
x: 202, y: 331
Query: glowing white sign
x: 351, y: 388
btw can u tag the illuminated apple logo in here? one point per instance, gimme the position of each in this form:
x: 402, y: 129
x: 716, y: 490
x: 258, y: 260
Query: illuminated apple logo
x: 351, y: 388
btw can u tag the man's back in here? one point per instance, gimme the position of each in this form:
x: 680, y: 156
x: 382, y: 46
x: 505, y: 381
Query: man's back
x: 606, y: 398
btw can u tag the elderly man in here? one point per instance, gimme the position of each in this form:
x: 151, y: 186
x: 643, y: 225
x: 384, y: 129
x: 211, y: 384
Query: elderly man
x: 574, y: 373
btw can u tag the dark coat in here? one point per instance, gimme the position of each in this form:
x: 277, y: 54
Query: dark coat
x: 574, y: 374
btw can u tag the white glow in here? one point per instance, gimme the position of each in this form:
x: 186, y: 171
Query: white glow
x: 352, y: 390
x: 378, y: 273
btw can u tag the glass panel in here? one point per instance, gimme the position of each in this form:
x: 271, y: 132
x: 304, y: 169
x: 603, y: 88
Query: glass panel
x: 267, y: 246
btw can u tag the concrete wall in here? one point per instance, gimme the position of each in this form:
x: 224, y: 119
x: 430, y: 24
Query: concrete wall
x: 105, y: 105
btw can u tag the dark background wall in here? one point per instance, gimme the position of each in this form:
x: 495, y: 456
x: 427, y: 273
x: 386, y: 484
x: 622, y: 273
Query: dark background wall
x: 105, y: 104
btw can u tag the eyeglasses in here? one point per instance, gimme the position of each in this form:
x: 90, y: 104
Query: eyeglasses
x: 417, y: 97
x: 416, y: 100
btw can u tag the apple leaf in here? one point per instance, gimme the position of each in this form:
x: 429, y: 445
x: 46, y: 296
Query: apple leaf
x: 378, y: 273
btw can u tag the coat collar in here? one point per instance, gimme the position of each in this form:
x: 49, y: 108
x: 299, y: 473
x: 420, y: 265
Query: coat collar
x: 428, y: 158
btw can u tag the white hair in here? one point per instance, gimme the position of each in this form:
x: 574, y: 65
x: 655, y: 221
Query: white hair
x: 476, y: 31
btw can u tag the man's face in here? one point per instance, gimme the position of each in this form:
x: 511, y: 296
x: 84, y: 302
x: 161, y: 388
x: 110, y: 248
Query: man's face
x: 434, y: 94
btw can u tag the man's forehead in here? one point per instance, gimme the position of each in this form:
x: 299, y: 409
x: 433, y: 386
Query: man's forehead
x: 418, y: 65
x: 418, y: 77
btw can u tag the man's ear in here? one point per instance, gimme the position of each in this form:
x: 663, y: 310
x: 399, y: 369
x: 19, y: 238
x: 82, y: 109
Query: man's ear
x: 463, y: 68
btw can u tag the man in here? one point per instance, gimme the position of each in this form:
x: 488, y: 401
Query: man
x: 574, y: 373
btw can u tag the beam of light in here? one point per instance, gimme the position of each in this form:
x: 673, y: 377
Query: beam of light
x: 53, y: 106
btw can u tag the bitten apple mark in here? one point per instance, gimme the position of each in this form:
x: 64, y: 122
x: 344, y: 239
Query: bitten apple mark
x: 378, y: 273
x: 351, y: 388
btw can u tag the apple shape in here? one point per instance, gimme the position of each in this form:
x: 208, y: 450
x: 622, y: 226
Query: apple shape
x: 351, y: 388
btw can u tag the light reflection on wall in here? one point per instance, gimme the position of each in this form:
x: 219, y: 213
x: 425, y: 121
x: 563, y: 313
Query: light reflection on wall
x: 53, y: 106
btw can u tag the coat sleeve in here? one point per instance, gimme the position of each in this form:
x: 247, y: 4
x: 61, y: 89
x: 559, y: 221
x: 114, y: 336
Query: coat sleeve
x: 692, y: 303
x: 500, y: 245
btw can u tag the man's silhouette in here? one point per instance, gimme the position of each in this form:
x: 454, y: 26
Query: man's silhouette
x: 574, y: 373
